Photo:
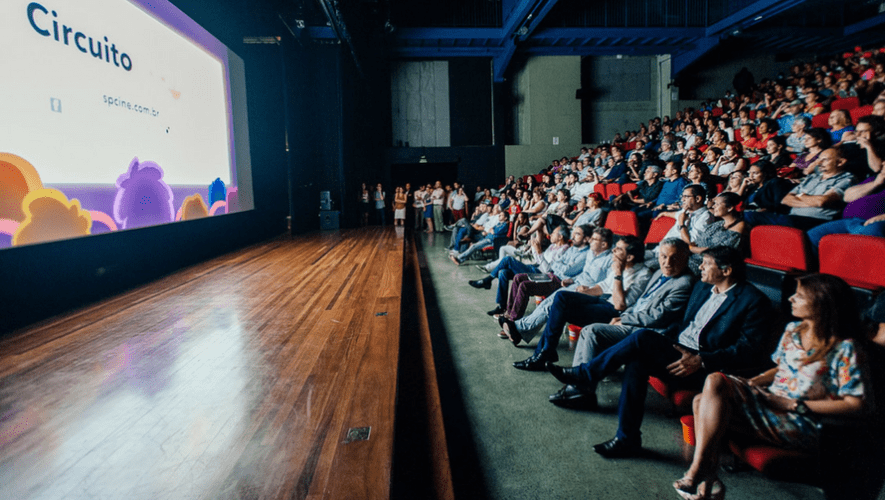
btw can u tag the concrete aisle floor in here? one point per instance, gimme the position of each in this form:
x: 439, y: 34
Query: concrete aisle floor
x: 508, y: 442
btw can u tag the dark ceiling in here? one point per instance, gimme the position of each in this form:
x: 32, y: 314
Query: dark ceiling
x: 502, y: 29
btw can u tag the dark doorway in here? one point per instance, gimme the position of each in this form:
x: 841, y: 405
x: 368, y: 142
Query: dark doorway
x: 423, y: 173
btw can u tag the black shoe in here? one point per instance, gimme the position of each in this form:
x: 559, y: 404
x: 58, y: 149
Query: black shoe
x: 533, y: 364
x: 512, y: 332
x: 497, y: 310
x: 566, y: 375
x: 574, y: 397
x: 617, y: 448
x: 483, y: 283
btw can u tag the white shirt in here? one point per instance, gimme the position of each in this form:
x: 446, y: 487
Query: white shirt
x: 630, y: 275
x: 697, y: 222
x: 690, y: 337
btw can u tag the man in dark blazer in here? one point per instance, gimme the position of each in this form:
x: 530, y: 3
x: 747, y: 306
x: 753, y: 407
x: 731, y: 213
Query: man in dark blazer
x: 661, y: 304
x: 726, y: 327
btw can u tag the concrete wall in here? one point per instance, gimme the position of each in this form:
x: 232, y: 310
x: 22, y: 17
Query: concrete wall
x: 711, y: 76
x: 619, y: 94
x: 523, y: 160
x: 544, y: 101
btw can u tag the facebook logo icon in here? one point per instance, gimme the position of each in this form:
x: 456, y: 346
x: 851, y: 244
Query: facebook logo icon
x: 56, y: 104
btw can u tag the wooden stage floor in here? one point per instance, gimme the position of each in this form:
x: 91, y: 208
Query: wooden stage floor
x: 236, y: 378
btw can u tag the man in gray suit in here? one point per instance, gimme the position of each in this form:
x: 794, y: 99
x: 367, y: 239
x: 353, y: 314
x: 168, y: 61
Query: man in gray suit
x: 661, y: 304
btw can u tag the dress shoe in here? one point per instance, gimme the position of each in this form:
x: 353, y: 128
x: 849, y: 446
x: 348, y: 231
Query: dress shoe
x: 496, y: 311
x: 532, y: 364
x: 483, y: 283
x: 510, y: 329
x: 574, y: 397
x: 566, y: 375
x: 617, y: 448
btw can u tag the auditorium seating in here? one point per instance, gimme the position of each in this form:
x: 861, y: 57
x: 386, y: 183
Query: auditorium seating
x: 847, y: 103
x: 860, y: 112
x: 858, y: 259
x: 612, y: 190
x: 659, y: 228
x: 778, y: 255
x: 820, y: 121
x: 623, y: 223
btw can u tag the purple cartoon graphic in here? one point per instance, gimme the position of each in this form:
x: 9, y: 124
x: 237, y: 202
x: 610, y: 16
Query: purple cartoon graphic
x: 143, y: 198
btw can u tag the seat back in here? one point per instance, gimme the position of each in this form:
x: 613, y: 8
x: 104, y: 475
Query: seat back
x: 858, y: 259
x: 600, y: 190
x: 659, y: 228
x: 629, y: 186
x: 623, y: 223
x: 613, y: 189
x: 779, y: 247
x: 847, y: 103
x: 860, y: 112
x: 820, y: 121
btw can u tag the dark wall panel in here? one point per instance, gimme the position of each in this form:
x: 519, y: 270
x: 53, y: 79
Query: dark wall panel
x: 470, y: 101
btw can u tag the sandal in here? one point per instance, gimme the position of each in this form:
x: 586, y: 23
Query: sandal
x: 710, y: 489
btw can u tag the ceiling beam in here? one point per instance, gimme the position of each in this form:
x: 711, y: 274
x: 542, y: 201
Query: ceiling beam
x: 683, y: 60
x: 750, y: 15
x: 866, y: 24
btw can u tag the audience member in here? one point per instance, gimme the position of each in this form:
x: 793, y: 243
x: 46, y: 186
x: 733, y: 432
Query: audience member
x: 817, y: 373
x: 586, y: 305
x: 660, y: 305
x: 725, y: 328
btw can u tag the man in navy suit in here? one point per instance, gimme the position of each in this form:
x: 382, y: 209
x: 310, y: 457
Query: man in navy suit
x: 727, y: 328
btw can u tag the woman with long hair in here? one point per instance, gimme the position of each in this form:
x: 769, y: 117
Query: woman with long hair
x: 817, y: 373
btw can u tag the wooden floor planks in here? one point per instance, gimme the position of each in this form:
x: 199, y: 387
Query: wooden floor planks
x: 235, y: 378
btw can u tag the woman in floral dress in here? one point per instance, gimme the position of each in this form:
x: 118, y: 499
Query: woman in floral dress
x: 817, y: 374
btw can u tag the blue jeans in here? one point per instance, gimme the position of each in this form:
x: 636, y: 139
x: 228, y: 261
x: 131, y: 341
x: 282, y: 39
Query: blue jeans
x: 504, y: 272
x: 845, y: 226
x: 479, y: 245
x: 643, y: 353
x: 575, y: 308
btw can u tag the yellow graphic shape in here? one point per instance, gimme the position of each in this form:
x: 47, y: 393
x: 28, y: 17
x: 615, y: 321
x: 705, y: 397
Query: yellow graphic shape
x: 17, y: 179
x: 50, y: 216
x: 194, y: 208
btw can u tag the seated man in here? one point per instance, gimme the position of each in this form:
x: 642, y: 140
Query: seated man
x: 488, y: 238
x: 645, y: 194
x: 671, y: 190
x: 596, y: 269
x: 661, y: 305
x: 726, y: 328
x: 598, y: 304
x: 693, y: 215
x: 817, y: 199
x: 510, y: 266
x: 463, y: 229
x: 569, y: 265
x: 864, y: 214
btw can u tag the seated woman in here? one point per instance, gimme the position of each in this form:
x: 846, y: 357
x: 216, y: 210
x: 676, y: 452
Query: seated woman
x: 839, y: 122
x: 698, y: 173
x: 554, y: 214
x: 537, y: 205
x: 776, y: 149
x: 736, y: 181
x: 817, y: 374
x: 764, y: 190
x: 728, y: 230
x: 731, y: 160
x: 816, y: 142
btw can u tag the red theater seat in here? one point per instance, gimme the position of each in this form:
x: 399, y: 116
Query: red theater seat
x: 859, y: 260
x: 623, y: 223
x: 860, y: 112
x: 778, y: 255
x: 659, y: 228
x: 820, y: 121
x: 781, y: 248
x: 600, y: 190
x: 613, y: 189
x: 630, y: 186
x: 847, y: 103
